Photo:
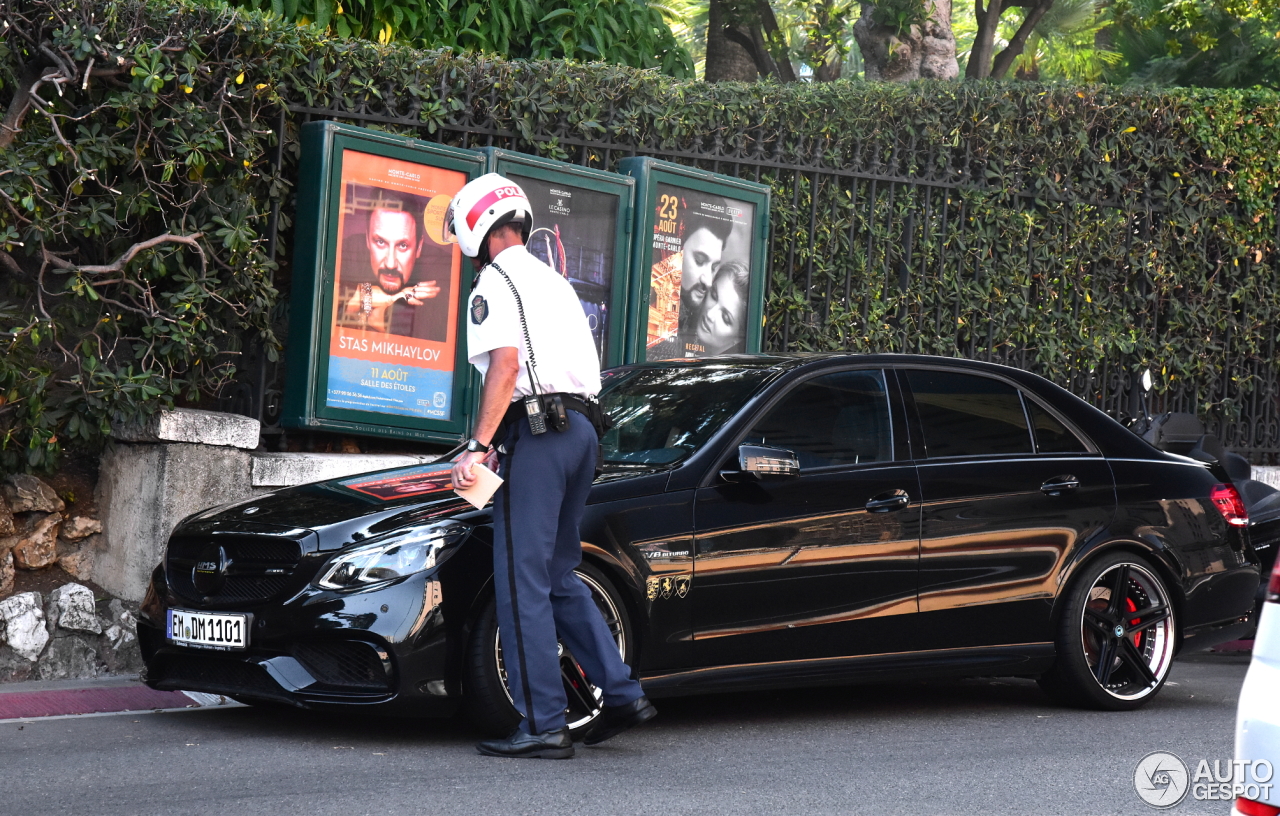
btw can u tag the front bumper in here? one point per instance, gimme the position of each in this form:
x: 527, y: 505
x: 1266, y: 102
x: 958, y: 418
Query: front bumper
x: 387, y: 647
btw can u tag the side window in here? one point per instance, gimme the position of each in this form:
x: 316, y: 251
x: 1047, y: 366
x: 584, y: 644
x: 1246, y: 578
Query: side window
x: 835, y: 419
x: 1051, y: 435
x: 967, y: 415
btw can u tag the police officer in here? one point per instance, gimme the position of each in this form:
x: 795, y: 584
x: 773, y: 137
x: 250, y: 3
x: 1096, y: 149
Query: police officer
x: 530, y: 341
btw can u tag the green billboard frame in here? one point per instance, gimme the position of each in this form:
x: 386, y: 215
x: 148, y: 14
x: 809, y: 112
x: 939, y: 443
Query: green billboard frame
x: 649, y: 173
x: 506, y: 162
x: 316, y: 250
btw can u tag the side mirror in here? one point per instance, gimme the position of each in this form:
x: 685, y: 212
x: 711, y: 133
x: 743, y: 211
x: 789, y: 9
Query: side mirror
x: 757, y: 462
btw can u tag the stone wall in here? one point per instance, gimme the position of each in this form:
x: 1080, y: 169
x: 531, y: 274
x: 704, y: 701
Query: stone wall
x: 36, y: 532
x: 67, y: 635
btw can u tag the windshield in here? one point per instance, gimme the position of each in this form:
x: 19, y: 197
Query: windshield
x: 662, y: 415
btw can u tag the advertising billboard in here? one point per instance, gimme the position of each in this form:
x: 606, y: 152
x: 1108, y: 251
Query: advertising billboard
x: 699, y: 263
x: 581, y: 229
x: 376, y: 341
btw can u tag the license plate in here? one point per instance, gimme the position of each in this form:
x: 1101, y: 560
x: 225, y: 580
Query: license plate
x: 208, y: 630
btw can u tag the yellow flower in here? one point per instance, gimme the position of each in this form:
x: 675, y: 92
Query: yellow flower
x: 240, y: 79
x: 187, y: 89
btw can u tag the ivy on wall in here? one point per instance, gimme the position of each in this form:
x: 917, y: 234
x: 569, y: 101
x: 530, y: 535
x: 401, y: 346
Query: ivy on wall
x: 1059, y: 228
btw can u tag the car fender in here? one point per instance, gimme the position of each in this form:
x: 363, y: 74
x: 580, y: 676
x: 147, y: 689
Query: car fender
x: 1156, y: 551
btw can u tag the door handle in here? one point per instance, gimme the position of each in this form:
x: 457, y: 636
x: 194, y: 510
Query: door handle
x: 888, y: 502
x: 1059, y: 485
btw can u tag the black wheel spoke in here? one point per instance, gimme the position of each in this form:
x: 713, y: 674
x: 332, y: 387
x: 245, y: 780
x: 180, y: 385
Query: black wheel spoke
x: 1106, y: 659
x: 1147, y: 618
x: 1130, y: 656
x: 1119, y: 591
x: 1099, y: 622
x: 576, y: 687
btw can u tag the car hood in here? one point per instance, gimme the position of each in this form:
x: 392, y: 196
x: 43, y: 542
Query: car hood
x: 354, y: 508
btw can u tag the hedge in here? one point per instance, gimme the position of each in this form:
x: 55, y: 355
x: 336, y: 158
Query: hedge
x: 1072, y: 230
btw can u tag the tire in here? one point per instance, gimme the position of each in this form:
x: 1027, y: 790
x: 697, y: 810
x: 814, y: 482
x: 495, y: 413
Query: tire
x: 486, y: 697
x: 1116, y: 637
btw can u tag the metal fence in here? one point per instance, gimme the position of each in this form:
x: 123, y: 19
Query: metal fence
x: 877, y: 257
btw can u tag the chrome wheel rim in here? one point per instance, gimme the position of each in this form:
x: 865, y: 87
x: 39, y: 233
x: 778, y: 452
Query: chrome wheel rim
x: 1127, y: 630
x: 585, y: 701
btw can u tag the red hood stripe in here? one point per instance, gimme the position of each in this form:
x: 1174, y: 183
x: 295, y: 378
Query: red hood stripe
x: 488, y: 201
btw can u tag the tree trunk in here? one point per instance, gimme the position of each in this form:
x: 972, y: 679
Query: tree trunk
x: 727, y: 59
x: 924, y: 52
x: 1004, y: 60
x: 988, y: 19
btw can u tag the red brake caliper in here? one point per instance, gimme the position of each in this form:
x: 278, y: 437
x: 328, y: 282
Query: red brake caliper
x: 1137, y: 636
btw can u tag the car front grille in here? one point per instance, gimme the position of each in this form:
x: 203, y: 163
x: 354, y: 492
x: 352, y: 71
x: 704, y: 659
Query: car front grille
x: 349, y: 665
x: 258, y: 567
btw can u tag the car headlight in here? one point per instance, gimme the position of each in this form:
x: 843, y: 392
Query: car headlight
x: 401, y: 553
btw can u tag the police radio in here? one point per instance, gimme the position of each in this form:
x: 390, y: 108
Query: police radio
x: 533, y: 407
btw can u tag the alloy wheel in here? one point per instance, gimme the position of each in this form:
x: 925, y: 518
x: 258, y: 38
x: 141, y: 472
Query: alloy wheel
x: 585, y: 701
x: 1127, y: 631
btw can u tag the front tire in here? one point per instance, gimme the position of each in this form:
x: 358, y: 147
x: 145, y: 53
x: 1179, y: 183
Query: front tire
x: 1116, y: 636
x: 486, y: 695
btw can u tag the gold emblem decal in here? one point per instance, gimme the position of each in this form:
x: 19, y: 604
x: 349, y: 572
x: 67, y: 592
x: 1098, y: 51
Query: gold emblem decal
x: 666, y: 587
x: 651, y: 587
x: 682, y: 586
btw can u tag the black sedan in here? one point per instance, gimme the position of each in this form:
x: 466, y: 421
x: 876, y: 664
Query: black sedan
x: 763, y: 521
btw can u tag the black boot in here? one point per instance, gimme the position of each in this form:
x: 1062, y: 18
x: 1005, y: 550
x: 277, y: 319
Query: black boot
x: 547, y: 745
x: 616, y: 719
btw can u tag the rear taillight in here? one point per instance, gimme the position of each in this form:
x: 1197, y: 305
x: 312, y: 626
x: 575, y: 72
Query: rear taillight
x: 1227, y: 499
x: 1273, y: 589
x: 1248, y: 807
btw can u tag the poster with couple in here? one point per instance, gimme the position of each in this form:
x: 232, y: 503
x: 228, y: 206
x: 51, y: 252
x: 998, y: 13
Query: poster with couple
x: 701, y: 258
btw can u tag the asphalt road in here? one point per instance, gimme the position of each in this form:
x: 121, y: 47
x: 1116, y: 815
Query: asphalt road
x: 978, y: 746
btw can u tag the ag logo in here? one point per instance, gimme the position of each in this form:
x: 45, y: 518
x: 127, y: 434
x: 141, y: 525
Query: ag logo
x: 479, y: 310
x: 1161, y: 779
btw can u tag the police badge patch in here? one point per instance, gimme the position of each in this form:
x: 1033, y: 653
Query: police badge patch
x: 479, y: 309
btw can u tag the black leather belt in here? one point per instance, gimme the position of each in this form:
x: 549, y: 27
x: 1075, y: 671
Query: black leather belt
x: 574, y: 402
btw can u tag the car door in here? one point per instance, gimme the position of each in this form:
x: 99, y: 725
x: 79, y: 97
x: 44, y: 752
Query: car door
x: 1008, y: 490
x: 820, y: 564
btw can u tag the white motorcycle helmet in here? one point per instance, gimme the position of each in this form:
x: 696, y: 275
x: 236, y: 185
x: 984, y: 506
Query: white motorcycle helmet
x: 482, y: 206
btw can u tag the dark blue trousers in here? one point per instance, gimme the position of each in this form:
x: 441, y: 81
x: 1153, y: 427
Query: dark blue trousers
x: 536, y: 547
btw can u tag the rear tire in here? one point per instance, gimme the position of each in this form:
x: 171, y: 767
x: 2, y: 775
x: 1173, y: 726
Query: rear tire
x: 1116, y: 636
x: 486, y: 698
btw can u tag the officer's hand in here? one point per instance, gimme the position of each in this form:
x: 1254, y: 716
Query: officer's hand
x: 462, y: 475
x: 421, y: 292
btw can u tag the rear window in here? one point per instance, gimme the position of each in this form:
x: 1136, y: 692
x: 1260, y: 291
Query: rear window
x: 1051, y: 435
x: 968, y: 415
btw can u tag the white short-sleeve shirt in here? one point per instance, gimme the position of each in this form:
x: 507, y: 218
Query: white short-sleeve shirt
x: 563, y: 347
